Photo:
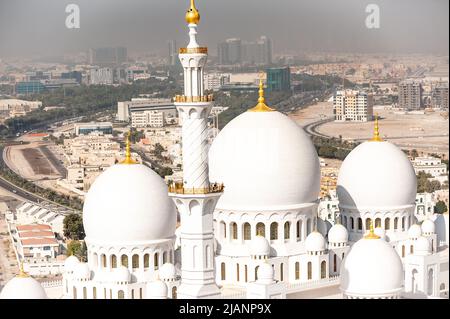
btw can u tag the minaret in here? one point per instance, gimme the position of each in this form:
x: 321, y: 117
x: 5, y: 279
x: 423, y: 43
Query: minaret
x: 195, y: 197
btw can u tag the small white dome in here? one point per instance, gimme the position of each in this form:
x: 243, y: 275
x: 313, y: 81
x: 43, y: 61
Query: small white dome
x: 128, y: 204
x: 259, y: 246
x: 70, y: 264
x: 315, y: 242
x: 265, y: 160
x: 21, y: 287
x: 422, y: 246
x: 376, y: 174
x: 121, y: 274
x: 372, y: 268
x: 380, y: 232
x: 338, y: 234
x: 82, y: 271
x: 414, y: 232
x: 428, y: 227
x: 157, y: 290
x: 265, y: 273
x: 167, y: 272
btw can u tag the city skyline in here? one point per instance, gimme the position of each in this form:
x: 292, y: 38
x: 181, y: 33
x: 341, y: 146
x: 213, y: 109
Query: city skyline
x: 405, y: 26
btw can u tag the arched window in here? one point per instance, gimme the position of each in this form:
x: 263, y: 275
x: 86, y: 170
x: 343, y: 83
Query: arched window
x: 84, y: 293
x: 164, y: 257
x: 135, y: 261
x: 261, y: 229
x: 174, y: 292
x: 334, y: 263
x: 146, y: 260
x: 309, y: 270
x: 95, y: 257
x: 387, y: 223
x: 94, y: 292
x: 237, y: 272
x: 245, y: 273
x: 234, y: 232
x: 281, y: 272
x: 345, y: 222
x: 403, y: 250
x: 121, y: 294
x: 132, y: 293
x: 411, y: 249
x: 378, y: 222
x: 223, y: 229
x: 256, y: 272
x: 156, y: 260
x: 430, y: 283
x: 297, y: 270
x: 110, y: 293
x: 352, y: 223
x: 323, y: 269
x: 104, y: 293
x: 395, y: 223
x: 124, y: 260
x: 247, y: 231
x: 274, y: 231
x: 222, y: 271
x: 368, y: 220
x: 299, y: 229
x: 403, y: 223
x: 287, y: 230
x: 359, y: 224
x: 140, y: 293
x: 113, y: 261
x: 103, y: 258
x: 74, y: 293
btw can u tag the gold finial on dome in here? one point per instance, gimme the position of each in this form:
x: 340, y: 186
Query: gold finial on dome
x: 376, y: 133
x: 261, y: 106
x: 128, y: 159
x: 371, y: 234
x: 192, y: 15
x: 22, y: 273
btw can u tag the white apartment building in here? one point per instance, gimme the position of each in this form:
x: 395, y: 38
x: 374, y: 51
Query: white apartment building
x: 352, y: 105
x: 150, y: 118
x: 430, y: 165
x: 126, y: 109
x: 213, y: 81
x: 101, y: 76
x: 410, y: 95
x: 36, y: 241
x: 31, y: 213
x: 13, y: 107
x: 425, y: 203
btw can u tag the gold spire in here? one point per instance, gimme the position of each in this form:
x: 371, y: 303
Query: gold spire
x: 128, y: 159
x: 376, y: 133
x: 261, y: 106
x: 371, y: 234
x: 192, y: 15
x: 22, y: 273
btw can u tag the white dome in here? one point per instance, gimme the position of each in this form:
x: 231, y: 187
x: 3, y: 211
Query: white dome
x: 380, y: 232
x: 157, y: 290
x: 376, y: 174
x: 82, y: 271
x: 422, y: 246
x: 128, y: 203
x: 414, y: 232
x: 338, y: 234
x: 372, y: 267
x: 265, y: 160
x: 121, y: 274
x: 428, y: 227
x: 259, y: 246
x: 265, y: 273
x: 70, y: 264
x: 315, y: 242
x: 23, y: 288
x: 167, y: 272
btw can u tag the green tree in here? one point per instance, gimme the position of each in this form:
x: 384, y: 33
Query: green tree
x: 73, y: 227
x: 78, y: 249
x: 414, y: 153
x: 440, y: 207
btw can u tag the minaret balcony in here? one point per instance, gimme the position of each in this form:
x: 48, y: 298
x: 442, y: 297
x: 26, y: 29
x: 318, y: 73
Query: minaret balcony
x: 198, y: 50
x: 178, y: 188
x: 193, y: 99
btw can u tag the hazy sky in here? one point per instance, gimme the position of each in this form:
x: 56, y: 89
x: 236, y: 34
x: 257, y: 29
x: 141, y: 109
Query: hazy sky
x: 37, y: 27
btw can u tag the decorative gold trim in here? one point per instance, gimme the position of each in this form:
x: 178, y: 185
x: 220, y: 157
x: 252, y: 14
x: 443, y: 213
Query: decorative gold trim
x: 261, y: 106
x: 192, y: 15
x: 376, y: 132
x: 191, y: 99
x: 128, y: 159
x: 202, y: 50
x: 22, y: 273
x: 371, y: 234
x: 178, y: 188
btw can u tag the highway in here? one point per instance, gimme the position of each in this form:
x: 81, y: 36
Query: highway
x: 311, y: 128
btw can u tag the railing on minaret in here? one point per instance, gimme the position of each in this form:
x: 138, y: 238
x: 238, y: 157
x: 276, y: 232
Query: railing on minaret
x: 195, y: 197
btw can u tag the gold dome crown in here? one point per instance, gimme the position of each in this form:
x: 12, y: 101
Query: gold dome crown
x: 192, y: 15
x: 261, y: 106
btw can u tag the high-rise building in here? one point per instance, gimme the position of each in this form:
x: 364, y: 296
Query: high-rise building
x: 439, y: 96
x: 214, y: 81
x: 278, y: 79
x: 352, y: 105
x: 108, y: 56
x: 173, y: 52
x: 235, y: 51
x: 410, y: 95
x: 101, y: 76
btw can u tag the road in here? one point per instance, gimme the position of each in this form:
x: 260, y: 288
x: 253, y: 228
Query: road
x: 311, y: 128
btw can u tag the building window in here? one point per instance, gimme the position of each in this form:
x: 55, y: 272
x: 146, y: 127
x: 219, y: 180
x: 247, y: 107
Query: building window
x: 174, y: 292
x: 403, y: 223
x: 135, y: 261
x: 256, y: 272
x: 84, y: 293
x: 94, y: 292
x: 132, y: 293
x: 222, y: 271
x: 395, y: 223
x: 368, y: 221
x: 146, y: 260
x: 140, y: 293
x: 299, y: 229
x: 261, y: 229
x: 387, y: 223
x: 124, y: 260
x: 274, y: 231
x: 234, y: 230
x: 223, y: 227
x: 287, y: 230
x: 121, y: 294
x: 103, y: 257
x: 323, y: 269
x: 309, y: 270
x: 164, y: 257
x: 334, y: 263
x: 245, y: 273
x: 237, y: 272
x: 411, y: 249
x: 378, y: 222
x: 156, y: 260
x: 359, y: 224
x: 281, y: 272
x: 113, y: 261
x: 403, y: 250
x: 247, y: 231
x: 352, y: 223
x: 297, y: 270
x: 104, y: 293
x: 74, y: 293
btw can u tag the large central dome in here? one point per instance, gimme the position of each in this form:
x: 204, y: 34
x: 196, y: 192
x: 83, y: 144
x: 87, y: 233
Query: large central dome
x: 265, y: 160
